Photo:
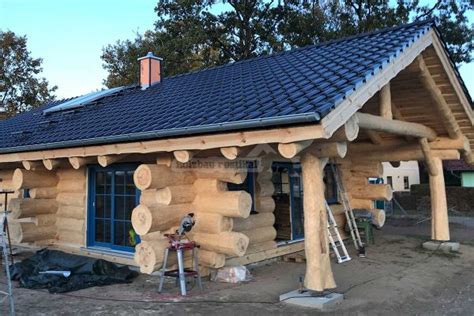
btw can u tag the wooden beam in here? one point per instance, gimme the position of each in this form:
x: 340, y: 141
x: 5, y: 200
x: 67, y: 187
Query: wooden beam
x: 377, y: 123
x: 292, y: 149
x: 318, y: 275
x: 449, y: 121
x: 348, y: 132
x: 107, y: 160
x: 328, y: 150
x: 202, y: 142
x: 32, y: 165
x: 439, y: 205
x: 429, y: 159
x: 374, y: 137
x: 385, y: 100
x: 164, y: 159
x: 230, y: 153
x: 183, y: 156
x: 51, y: 164
x: 79, y: 162
x: 398, y: 153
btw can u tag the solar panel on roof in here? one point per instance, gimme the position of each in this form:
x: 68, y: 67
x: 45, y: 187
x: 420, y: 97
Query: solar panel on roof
x: 82, y: 100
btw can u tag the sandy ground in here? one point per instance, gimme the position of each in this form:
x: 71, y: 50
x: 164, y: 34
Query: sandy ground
x: 397, y: 278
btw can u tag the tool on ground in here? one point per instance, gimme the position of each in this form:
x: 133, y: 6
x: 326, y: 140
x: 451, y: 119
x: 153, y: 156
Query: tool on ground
x: 6, y: 237
x: 65, y: 274
x: 179, y: 244
x: 351, y: 222
x: 335, y: 238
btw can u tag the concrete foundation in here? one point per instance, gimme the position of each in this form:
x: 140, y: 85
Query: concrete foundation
x: 443, y: 246
x: 307, y: 299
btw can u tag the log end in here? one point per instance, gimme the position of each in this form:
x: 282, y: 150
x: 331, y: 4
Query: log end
x: 17, y: 180
x: 141, y: 219
x: 142, y: 177
x: 145, y: 257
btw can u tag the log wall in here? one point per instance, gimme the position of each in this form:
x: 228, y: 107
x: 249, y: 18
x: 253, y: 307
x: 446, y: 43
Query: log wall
x: 224, y: 226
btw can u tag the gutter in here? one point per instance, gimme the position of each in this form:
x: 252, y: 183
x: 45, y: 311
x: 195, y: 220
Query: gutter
x: 313, y: 117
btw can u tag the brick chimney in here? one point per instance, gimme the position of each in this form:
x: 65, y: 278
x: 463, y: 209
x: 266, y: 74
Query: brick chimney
x: 150, y: 70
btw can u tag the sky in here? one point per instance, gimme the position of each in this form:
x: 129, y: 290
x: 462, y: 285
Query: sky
x: 69, y: 36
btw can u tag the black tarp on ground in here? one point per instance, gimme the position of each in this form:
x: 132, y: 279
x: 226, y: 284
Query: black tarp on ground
x: 85, y: 272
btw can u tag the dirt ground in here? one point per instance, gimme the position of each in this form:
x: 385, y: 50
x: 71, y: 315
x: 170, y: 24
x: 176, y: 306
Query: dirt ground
x: 398, y: 277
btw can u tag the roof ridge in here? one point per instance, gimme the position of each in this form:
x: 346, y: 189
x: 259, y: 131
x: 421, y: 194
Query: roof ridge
x: 336, y: 40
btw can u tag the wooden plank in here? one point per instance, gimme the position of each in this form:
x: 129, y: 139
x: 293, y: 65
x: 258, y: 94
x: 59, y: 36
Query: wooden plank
x: 266, y: 254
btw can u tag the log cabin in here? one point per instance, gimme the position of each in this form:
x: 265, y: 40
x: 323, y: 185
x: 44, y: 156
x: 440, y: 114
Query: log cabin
x: 244, y: 146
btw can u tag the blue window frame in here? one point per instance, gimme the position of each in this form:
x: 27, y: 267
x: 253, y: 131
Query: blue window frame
x: 112, y: 197
x: 248, y: 185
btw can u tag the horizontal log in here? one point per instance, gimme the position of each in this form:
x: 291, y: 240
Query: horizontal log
x: 71, y: 211
x: 405, y: 153
x: 25, y: 179
x: 183, y: 156
x: 160, y: 176
x: 328, y: 150
x: 209, y: 185
x: 265, y: 188
x: 254, y: 221
x: 230, y: 153
x: 51, y: 164
x: 70, y: 237
x: 43, y: 193
x: 264, y: 204
x: 212, y: 223
x: 21, y: 232
x: 71, y: 174
x: 26, y: 207
x: 227, y: 243
x: 78, y: 185
x: 70, y: 198
x: 149, y: 255
x: 377, y: 123
x: 290, y: 150
x: 231, y: 203
x: 146, y: 219
x: 70, y: 224
x: 107, y: 160
x: 6, y: 185
x: 32, y: 165
x: 348, y: 132
x: 176, y: 194
x: 262, y: 246
x: 210, y: 259
x: 79, y: 162
x: 261, y: 234
x: 222, y: 172
x: 361, y: 203
x: 372, y: 192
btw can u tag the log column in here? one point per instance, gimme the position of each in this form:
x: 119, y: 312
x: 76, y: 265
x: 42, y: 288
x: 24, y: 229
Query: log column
x: 439, y: 205
x: 318, y: 267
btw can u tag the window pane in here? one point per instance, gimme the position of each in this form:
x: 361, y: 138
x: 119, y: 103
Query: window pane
x: 129, y: 206
x: 107, y: 207
x: 119, y: 207
x: 100, y: 183
x: 108, y: 182
x: 99, y: 230
x: 120, y: 235
x: 129, y: 238
x: 130, y: 186
x: 99, y: 206
x: 120, y: 182
x: 107, y: 231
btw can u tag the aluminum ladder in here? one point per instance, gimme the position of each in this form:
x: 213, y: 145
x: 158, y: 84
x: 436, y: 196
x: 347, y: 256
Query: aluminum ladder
x: 8, y: 294
x: 336, y: 243
x: 351, y: 221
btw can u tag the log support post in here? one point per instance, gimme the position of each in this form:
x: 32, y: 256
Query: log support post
x: 318, y: 267
x: 439, y: 205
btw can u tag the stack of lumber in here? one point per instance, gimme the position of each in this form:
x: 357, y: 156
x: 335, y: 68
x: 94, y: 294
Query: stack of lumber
x: 32, y: 220
x: 71, y: 199
x: 167, y: 195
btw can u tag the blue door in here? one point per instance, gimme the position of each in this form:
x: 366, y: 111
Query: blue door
x: 112, y: 197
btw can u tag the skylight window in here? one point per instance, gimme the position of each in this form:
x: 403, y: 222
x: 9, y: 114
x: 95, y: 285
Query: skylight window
x: 82, y: 100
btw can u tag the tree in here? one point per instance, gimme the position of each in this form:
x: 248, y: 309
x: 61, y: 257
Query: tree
x: 21, y: 88
x: 195, y: 34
